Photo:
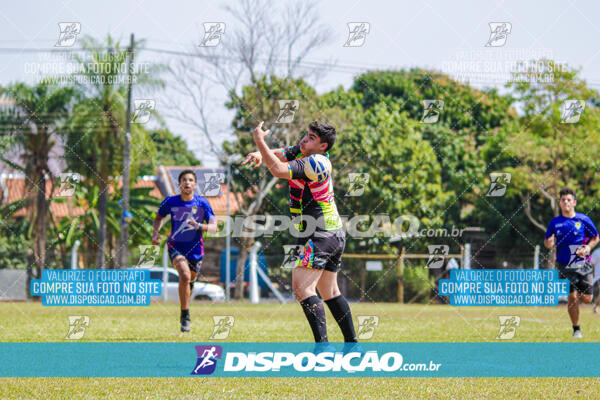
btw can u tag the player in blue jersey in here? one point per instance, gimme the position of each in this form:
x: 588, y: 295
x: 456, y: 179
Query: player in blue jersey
x: 191, y: 215
x: 308, y: 170
x: 574, y: 235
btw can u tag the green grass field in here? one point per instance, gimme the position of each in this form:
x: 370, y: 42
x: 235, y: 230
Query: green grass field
x: 31, y: 322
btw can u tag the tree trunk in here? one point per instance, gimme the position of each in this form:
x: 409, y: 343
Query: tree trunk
x: 29, y: 278
x: 239, y: 273
x: 102, y: 211
x: 39, y: 166
x: 110, y: 264
x: 87, y: 250
x: 39, y: 248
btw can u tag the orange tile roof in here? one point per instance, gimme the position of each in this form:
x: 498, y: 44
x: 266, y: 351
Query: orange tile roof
x: 18, y: 190
x: 218, y: 203
x: 141, y: 183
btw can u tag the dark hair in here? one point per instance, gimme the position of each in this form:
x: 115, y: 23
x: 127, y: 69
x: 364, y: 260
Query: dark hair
x: 325, y: 131
x: 566, y: 191
x: 185, y: 172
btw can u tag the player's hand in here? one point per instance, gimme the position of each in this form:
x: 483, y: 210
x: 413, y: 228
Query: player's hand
x: 193, y: 223
x: 259, y: 133
x: 255, y: 159
x: 155, y: 239
x: 583, y: 251
x: 550, y: 241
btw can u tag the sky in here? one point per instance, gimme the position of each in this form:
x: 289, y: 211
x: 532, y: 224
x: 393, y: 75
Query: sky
x: 441, y: 35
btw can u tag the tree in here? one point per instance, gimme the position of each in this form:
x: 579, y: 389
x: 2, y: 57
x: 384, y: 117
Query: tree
x: 257, y: 46
x: 84, y: 224
x: 96, y: 136
x: 169, y: 149
x: 256, y: 104
x: 15, y: 236
x: 551, y: 152
x: 469, y: 116
x: 36, y: 121
x: 404, y: 174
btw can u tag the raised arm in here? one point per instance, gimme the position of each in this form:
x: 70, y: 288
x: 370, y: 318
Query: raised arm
x: 276, y: 165
x: 255, y: 158
x: 155, y: 229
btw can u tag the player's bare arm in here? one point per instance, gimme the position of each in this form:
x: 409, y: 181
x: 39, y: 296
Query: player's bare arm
x: 155, y: 228
x: 276, y: 166
x: 210, y: 227
x: 586, y: 249
x: 549, y: 242
x: 255, y: 160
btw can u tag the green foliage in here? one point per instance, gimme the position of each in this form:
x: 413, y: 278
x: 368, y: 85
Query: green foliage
x: 96, y: 129
x: 404, y: 174
x: 417, y: 284
x: 33, y: 123
x: 168, y: 149
x: 30, y: 126
x: 464, y: 106
x: 84, y: 227
x: 469, y: 116
x: 553, y: 154
x: 258, y: 102
x: 14, y: 240
x: 383, y: 141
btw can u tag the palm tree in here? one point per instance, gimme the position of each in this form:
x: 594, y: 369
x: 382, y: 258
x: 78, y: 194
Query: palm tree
x: 34, y: 121
x: 83, y: 226
x: 96, y: 131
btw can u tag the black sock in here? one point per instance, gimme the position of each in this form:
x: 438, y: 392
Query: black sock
x: 341, y: 312
x: 576, y: 328
x: 315, y: 314
x: 185, y: 313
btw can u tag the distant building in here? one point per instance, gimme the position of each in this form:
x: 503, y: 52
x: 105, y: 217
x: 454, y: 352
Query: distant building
x: 13, y: 187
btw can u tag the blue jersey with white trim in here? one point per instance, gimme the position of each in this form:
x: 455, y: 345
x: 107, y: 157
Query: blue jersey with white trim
x: 570, y: 234
x: 184, y: 238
